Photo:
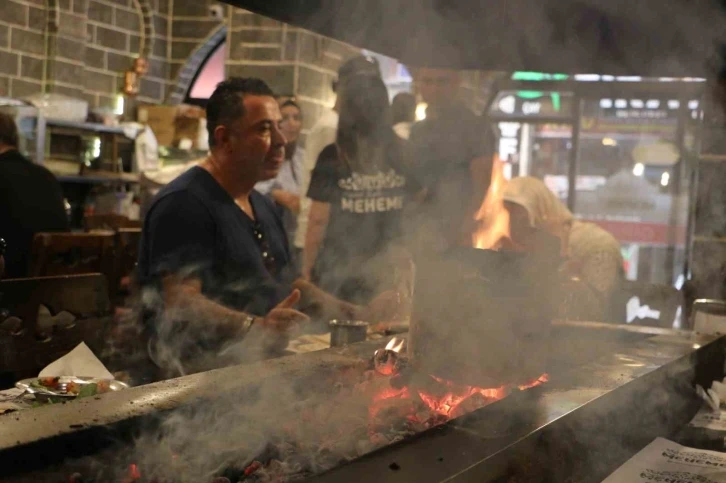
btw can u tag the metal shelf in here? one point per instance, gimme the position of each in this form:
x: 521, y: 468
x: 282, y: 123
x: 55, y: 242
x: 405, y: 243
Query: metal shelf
x: 713, y: 157
x: 86, y: 126
x: 709, y: 239
x: 98, y: 177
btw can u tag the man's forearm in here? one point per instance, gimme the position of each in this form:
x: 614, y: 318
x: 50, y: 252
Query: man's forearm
x: 186, y: 302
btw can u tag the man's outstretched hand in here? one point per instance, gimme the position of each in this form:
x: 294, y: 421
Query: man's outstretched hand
x: 275, y: 327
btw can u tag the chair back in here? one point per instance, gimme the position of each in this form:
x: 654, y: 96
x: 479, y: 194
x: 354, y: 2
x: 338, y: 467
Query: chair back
x: 71, y: 254
x: 109, y: 221
x: 127, y: 249
x: 127, y: 254
x: 43, y: 318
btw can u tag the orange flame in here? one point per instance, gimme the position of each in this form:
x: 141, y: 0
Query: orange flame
x: 448, y: 403
x: 395, y: 344
x: 540, y: 380
x: 492, y: 218
x: 455, y: 401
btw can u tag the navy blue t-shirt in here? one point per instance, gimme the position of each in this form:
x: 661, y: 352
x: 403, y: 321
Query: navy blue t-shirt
x: 195, y: 229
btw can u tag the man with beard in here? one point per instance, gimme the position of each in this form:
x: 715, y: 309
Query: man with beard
x: 214, y: 258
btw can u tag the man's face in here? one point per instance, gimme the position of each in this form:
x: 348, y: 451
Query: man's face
x: 438, y: 87
x: 256, y: 145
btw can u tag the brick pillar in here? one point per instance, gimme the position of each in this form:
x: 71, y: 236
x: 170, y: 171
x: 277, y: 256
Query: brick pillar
x: 22, y: 47
x: 66, y: 47
x: 194, y: 33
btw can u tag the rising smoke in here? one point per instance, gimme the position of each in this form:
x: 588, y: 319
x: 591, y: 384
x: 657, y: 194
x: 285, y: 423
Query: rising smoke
x: 620, y: 37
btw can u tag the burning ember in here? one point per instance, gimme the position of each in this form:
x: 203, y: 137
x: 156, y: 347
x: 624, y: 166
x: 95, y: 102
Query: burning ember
x: 492, y: 218
x: 425, y: 402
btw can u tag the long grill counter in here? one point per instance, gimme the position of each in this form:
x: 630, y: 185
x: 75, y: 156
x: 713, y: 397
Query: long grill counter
x: 611, y: 391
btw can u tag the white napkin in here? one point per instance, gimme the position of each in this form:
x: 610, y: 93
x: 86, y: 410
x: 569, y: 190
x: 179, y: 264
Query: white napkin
x: 720, y: 388
x: 710, y: 396
x: 80, y: 362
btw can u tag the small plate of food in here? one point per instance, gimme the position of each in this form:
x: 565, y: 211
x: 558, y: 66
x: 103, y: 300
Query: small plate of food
x: 68, y: 387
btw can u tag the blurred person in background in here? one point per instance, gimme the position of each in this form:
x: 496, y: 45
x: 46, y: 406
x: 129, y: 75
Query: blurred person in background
x: 451, y: 147
x: 360, y: 188
x: 214, y: 265
x: 323, y: 134
x: 539, y: 221
x: 31, y: 201
x: 285, y: 188
x: 403, y: 111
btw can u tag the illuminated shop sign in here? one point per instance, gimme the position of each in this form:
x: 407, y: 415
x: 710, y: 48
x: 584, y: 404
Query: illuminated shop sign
x: 508, y: 140
x: 517, y: 104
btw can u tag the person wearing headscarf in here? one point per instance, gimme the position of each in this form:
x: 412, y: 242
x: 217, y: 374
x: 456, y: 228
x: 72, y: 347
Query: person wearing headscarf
x: 539, y: 221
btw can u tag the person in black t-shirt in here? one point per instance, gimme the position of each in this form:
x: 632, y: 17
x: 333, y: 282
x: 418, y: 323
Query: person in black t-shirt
x: 31, y: 201
x: 452, y: 148
x: 360, y: 188
x: 214, y: 258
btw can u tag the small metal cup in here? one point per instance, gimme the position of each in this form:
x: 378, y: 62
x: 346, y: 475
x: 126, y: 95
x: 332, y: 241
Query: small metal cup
x: 344, y: 332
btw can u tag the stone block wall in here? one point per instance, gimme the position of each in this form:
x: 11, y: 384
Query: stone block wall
x: 82, y: 48
x: 293, y: 61
x: 22, y: 47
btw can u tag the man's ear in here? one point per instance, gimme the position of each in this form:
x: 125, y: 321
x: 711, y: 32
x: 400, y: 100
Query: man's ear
x: 221, y: 135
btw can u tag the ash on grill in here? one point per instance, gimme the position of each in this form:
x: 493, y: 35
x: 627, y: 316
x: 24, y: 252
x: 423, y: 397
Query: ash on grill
x: 373, y: 406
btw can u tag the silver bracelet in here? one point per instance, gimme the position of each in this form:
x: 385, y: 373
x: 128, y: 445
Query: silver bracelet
x: 247, y: 324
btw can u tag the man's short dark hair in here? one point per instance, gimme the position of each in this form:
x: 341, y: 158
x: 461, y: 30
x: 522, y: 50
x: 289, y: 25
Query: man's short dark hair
x: 8, y: 131
x: 225, y: 105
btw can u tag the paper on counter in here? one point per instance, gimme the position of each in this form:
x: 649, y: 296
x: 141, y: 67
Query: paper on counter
x: 79, y: 362
x: 666, y: 461
x: 708, y: 419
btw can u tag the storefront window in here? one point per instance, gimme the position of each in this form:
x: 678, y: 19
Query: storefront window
x: 627, y: 164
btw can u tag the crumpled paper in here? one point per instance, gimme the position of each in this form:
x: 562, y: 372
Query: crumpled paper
x: 80, y: 362
x: 711, y: 416
x: 711, y: 396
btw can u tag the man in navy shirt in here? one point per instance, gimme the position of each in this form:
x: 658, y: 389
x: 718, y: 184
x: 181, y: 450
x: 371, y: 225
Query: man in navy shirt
x: 214, y: 258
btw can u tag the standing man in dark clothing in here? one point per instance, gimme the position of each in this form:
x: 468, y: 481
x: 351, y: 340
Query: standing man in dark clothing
x: 31, y: 201
x: 453, y: 156
x: 215, y: 250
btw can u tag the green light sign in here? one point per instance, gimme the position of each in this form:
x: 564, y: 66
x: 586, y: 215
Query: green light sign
x: 524, y: 75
